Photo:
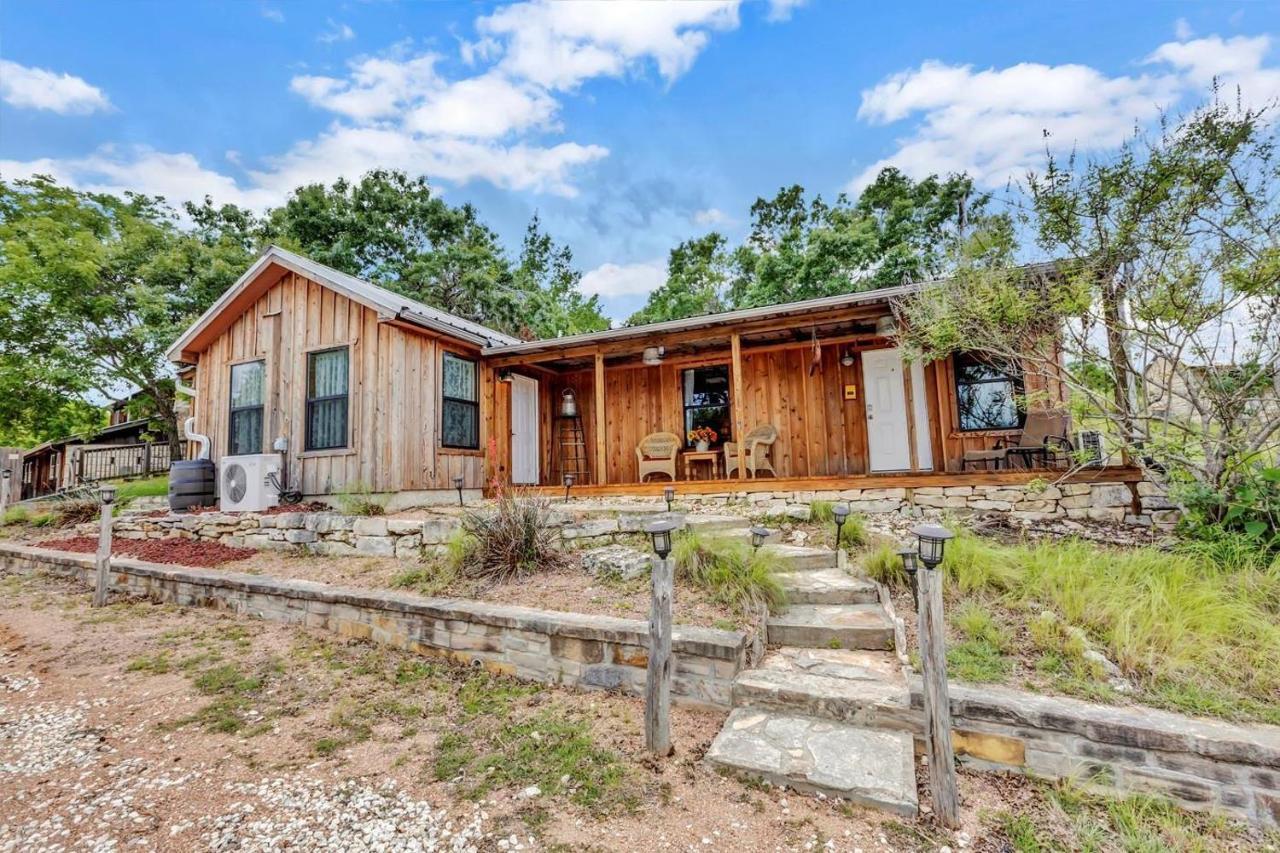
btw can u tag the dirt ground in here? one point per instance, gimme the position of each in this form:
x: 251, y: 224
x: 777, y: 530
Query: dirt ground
x: 121, y: 725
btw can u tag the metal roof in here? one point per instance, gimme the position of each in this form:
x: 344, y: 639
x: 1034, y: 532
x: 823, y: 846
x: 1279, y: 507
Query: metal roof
x: 783, y: 309
x: 379, y: 298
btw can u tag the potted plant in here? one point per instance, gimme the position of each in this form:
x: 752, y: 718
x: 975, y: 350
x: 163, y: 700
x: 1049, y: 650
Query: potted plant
x: 702, y: 438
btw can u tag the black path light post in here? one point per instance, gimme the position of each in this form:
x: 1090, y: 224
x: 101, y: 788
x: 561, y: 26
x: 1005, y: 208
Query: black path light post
x: 931, y: 545
x: 457, y: 484
x: 669, y: 494
x: 758, y: 535
x: 107, y: 495
x: 841, y: 514
x: 568, y: 484
x: 657, y: 685
x: 911, y: 563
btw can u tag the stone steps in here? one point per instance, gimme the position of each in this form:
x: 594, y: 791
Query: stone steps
x: 799, y: 558
x: 809, y: 754
x: 846, y: 686
x: 836, y: 626
x: 828, y: 586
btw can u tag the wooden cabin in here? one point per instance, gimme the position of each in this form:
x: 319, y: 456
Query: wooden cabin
x: 370, y: 389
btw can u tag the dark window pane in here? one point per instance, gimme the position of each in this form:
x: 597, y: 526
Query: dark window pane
x: 987, y: 394
x: 327, y: 383
x: 460, y: 424
x: 706, y: 401
x: 246, y: 431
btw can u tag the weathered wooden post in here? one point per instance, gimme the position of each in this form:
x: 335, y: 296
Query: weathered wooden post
x: 657, y: 685
x: 103, y: 563
x: 933, y: 660
x: 6, y: 478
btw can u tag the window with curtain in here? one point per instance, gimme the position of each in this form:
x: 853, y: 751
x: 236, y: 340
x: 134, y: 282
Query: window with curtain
x: 327, y: 380
x: 706, y: 401
x: 988, y: 393
x: 245, y: 431
x: 460, y: 403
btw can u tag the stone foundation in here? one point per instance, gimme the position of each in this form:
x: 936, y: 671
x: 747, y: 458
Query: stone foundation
x: 571, y: 649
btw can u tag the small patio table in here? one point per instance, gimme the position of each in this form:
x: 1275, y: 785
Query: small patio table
x: 694, y: 457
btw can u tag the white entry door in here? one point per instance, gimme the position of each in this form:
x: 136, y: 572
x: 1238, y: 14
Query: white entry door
x: 887, y: 436
x: 524, y: 430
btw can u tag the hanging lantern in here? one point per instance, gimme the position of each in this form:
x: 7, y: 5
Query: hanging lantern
x: 568, y: 404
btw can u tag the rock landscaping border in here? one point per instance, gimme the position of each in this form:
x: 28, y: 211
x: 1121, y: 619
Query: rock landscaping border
x: 573, y: 649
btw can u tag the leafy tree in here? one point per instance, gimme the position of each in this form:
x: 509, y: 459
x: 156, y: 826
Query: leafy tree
x: 393, y: 230
x: 95, y: 288
x: 1169, y: 278
x: 700, y: 273
x: 898, y: 230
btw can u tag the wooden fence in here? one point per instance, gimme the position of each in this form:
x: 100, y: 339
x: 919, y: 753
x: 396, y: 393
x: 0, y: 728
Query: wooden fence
x: 122, y: 460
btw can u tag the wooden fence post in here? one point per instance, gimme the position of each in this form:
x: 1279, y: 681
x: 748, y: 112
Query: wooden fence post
x: 937, y: 704
x: 657, y: 687
x: 103, y: 561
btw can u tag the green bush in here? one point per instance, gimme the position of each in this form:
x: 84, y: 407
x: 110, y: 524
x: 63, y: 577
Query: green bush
x: 730, y: 570
x: 359, y: 499
x: 884, y: 565
x: 16, y: 515
x: 513, y: 540
x: 1247, y: 517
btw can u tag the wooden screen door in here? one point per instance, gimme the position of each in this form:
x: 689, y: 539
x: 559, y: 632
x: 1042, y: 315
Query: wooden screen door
x: 888, y: 441
x: 524, y: 430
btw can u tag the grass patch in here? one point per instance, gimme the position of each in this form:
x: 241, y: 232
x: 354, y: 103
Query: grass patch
x: 884, y: 565
x: 1068, y: 818
x: 16, y: 515
x: 1188, y: 635
x: 359, y: 499
x: 157, y: 664
x: 150, y: 487
x: 729, y: 570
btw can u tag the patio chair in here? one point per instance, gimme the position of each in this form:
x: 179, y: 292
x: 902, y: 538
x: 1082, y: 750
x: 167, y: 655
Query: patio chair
x: 1044, y: 435
x: 756, y: 447
x: 656, y: 454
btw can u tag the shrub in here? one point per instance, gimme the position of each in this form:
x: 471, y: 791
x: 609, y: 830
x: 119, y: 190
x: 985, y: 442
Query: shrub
x: 1248, y: 516
x: 822, y: 512
x: 76, y: 511
x: 730, y: 570
x: 513, y: 540
x: 884, y: 565
x: 16, y: 515
x: 359, y: 499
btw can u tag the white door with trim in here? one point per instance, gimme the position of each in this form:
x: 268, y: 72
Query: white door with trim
x: 524, y: 430
x: 887, y: 437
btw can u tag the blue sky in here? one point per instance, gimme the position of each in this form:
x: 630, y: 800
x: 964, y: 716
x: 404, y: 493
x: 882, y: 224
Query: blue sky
x: 626, y: 127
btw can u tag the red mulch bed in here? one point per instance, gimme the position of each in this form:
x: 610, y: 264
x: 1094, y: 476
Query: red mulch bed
x: 182, y: 552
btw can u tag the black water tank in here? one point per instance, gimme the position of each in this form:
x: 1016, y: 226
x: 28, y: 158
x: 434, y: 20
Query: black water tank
x: 192, y: 484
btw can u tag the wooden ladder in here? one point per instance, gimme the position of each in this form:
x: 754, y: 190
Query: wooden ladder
x: 573, y: 457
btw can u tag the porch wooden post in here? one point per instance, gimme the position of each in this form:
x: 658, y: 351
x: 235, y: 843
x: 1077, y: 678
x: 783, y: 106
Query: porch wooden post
x: 908, y: 386
x: 735, y: 402
x: 602, y: 471
x: 937, y: 703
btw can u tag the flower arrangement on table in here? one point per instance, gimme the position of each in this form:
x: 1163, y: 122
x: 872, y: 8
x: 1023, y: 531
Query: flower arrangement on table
x: 703, y: 437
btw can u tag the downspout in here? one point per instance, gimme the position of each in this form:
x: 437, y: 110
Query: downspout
x: 189, y: 425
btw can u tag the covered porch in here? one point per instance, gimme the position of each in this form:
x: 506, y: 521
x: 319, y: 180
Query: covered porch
x: 845, y: 409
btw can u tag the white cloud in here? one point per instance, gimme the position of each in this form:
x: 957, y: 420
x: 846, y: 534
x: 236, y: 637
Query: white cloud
x: 377, y: 87
x: 1182, y: 29
x: 636, y: 279
x: 710, y: 216
x: 780, y: 10
x: 997, y: 123
x: 487, y: 106
x: 272, y: 14
x: 40, y: 89
x: 337, y: 32
x: 560, y: 45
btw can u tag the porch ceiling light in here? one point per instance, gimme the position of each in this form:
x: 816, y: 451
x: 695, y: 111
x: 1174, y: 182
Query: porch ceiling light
x: 847, y: 358
x: 653, y: 355
x: 660, y: 533
x: 932, y: 543
x: 758, y: 535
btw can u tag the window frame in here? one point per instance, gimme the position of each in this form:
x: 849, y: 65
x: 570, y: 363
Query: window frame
x: 445, y: 398
x: 685, y: 407
x: 308, y: 444
x: 1015, y: 379
x: 233, y: 409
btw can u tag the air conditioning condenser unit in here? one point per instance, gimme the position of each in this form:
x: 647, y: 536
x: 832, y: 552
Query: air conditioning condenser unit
x: 245, y: 482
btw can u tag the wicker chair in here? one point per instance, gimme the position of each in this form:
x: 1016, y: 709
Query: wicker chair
x: 1043, y: 435
x: 757, y: 444
x: 656, y: 454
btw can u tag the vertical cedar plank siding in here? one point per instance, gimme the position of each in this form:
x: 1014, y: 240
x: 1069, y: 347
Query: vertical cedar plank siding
x: 819, y: 431
x: 393, y: 406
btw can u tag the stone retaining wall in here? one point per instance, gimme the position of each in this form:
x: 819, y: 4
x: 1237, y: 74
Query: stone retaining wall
x: 1197, y: 763
x: 574, y: 649
x: 334, y: 534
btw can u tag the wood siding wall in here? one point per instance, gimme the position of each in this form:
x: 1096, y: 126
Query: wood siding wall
x: 393, y: 410
x: 820, y: 433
